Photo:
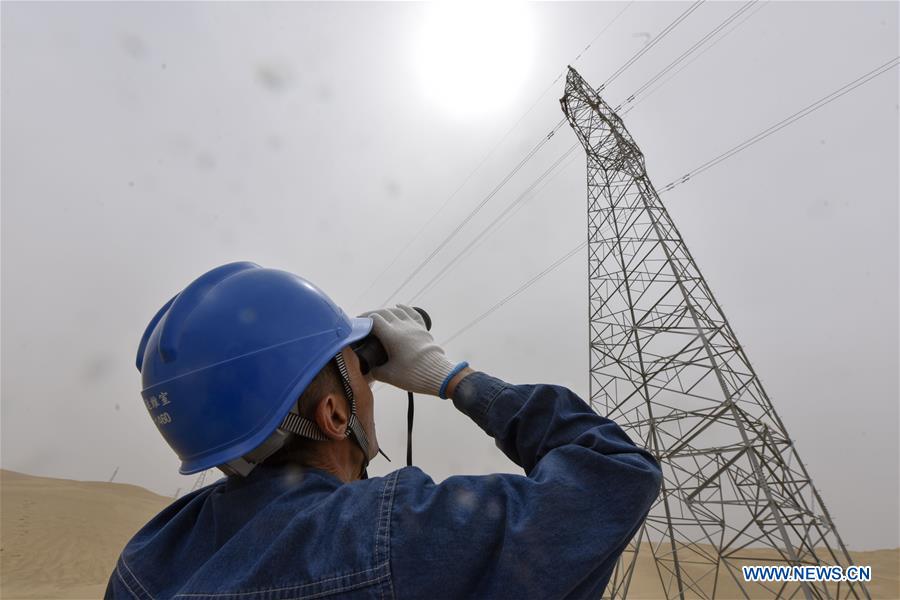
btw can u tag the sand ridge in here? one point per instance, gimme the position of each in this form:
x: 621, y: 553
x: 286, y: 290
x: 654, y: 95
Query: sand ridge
x: 61, y: 538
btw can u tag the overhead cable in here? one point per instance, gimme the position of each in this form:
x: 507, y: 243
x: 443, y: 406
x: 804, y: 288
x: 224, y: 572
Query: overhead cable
x: 709, y: 47
x: 475, y: 211
x: 479, y: 238
x: 668, y: 29
x: 881, y: 70
x: 744, y: 8
x: 491, y: 152
x: 662, y: 34
x: 518, y: 291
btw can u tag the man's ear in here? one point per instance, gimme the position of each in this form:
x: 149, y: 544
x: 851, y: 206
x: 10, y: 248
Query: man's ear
x: 333, y: 416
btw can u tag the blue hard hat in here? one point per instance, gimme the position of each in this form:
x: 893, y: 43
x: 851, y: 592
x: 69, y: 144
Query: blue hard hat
x: 224, y: 361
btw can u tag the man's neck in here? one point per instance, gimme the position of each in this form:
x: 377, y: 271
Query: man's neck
x: 342, y: 459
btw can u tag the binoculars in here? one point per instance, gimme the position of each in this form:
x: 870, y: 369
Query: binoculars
x: 370, y: 350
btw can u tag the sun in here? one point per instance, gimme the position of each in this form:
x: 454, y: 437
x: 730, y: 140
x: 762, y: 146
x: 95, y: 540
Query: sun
x: 473, y: 57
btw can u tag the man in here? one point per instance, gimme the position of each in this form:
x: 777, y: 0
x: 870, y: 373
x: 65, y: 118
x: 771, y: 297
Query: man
x: 260, y: 379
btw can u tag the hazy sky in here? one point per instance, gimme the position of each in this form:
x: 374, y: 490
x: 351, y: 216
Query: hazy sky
x: 145, y: 143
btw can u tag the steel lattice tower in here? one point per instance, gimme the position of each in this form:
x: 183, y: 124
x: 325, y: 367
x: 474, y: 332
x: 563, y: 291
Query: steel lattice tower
x: 666, y: 365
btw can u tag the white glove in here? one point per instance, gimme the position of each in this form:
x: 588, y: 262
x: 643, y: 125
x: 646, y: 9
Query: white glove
x: 415, y: 362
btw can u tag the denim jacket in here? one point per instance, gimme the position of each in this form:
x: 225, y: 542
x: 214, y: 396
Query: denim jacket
x: 291, y: 532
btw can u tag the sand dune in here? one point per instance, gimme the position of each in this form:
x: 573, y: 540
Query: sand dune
x: 61, y: 538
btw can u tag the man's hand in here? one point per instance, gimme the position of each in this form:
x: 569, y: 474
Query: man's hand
x: 415, y: 362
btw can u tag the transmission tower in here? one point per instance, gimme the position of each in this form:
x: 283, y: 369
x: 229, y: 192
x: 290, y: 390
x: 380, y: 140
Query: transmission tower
x: 666, y: 365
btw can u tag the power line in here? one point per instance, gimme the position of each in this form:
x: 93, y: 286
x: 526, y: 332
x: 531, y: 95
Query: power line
x: 453, y: 195
x: 475, y: 211
x: 517, y: 203
x: 884, y: 68
x: 433, y: 216
x: 688, y: 52
x: 668, y: 29
x: 701, y: 53
x: 708, y: 165
x: 518, y: 291
x: 490, y: 153
x: 652, y: 43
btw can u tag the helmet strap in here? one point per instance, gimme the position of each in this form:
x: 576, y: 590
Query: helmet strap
x: 306, y: 428
x: 355, y: 428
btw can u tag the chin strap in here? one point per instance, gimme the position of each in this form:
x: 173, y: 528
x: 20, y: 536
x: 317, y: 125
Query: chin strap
x: 293, y: 423
x: 303, y: 427
x: 354, y: 428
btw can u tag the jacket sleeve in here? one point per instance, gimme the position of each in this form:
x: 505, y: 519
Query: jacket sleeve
x: 555, y: 532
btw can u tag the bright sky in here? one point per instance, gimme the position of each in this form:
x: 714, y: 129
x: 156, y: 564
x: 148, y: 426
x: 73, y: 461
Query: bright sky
x: 145, y: 143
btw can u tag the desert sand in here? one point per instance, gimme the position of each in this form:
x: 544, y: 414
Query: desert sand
x: 61, y: 538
